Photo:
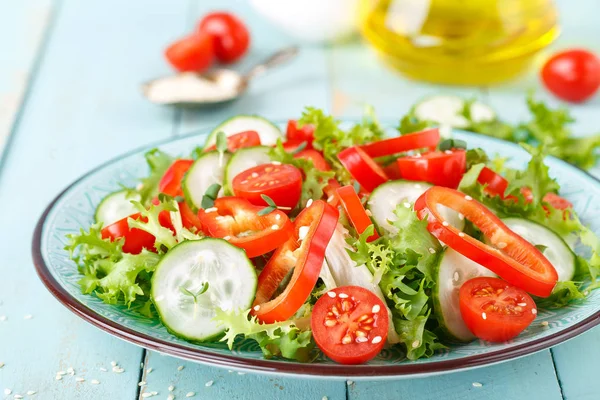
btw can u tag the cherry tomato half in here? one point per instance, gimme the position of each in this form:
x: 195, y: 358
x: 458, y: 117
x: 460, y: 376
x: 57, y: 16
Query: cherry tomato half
x: 441, y: 168
x: 495, y: 311
x: 418, y: 140
x: 362, y: 168
x: 355, y: 211
x: 304, y: 134
x: 350, y: 324
x: 230, y: 35
x: 240, y: 140
x: 135, y: 239
x: 572, y: 75
x: 303, y: 253
x: 282, y: 183
x: 237, y: 221
x: 509, y: 255
x: 194, y: 53
x: 170, y: 183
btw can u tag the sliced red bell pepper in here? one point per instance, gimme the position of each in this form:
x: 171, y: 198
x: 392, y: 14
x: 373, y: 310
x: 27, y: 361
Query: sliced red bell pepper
x: 441, y: 168
x: 418, y: 140
x: 362, y: 168
x: 355, y: 211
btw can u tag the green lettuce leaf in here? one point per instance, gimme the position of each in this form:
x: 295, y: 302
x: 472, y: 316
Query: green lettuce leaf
x: 280, y: 339
x: 158, y: 163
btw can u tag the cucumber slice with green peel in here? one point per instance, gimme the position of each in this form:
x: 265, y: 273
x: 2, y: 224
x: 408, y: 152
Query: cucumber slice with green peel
x: 116, y: 206
x: 267, y: 131
x: 242, y: 160
x: 453, y: 269
x: 197, y: 277
x: 448, y: 110
x: 208, y: 169
x: 556, y: 250
x: 386, y: 197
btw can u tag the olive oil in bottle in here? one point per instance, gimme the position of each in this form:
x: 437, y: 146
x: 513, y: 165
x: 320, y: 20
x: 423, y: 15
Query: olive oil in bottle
x: 459, y: 41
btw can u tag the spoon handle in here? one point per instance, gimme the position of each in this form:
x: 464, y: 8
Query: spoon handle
x: 278, y: 58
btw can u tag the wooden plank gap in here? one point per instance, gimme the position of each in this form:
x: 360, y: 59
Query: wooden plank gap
x: 142, y: 375
x: 557, y: 374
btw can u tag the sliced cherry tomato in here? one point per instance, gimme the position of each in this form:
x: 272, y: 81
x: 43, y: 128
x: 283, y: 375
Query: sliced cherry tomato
x: 355, y: 211
x: 170, y: 183
x: 282, y: 183
x: 496, y: 186
x: 240, y: 140
x: 513, y: 258
x: 303, y: 253
x: 495, y: 311
x: 135, y: 239
x: 194, y: 53
x: 441, y: 168
x: 237, y: 221
x: 362, y: 168
x: 350, y: 324
x: 418, y: 140
x: 230, y: 35
x: 572, y: 75
x: 317, y: 159
x: 304, y: 134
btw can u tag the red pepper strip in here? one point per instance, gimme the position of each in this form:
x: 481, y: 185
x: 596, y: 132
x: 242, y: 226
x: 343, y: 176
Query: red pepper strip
x: 513, y: 258
x: 355, y: 211
x: 362, y: 168
x: 418, y: 140
x: 240, y: 140
x: 303, y: 252
x: 135, y: 239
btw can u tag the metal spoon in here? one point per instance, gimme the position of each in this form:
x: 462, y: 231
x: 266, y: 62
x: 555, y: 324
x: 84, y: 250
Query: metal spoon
x: 190, y: 89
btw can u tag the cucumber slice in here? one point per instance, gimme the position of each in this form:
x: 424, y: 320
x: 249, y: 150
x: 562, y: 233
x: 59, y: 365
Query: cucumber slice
x: 268, y: 132
x: 557, y: 250
x: 452, y: 271
x: 242, y: 160
x: 116, y: 206
x: 205, y: 171
x: 386, y: 197
x: 185, y: 269
x: 447, y: 110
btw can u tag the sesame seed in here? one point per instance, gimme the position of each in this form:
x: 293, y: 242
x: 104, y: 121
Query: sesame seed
x: 349, y: 383
x: 118, y: 370
x: 331, y: 294
x: 376, y: 308
x: 302, y: 232
x: 309, y: 203
x: 585, y: 293
x: 415, y: 344
x: 445, y: 223
x: 521, y: 304
x: 211, y: 209
x: 95, y: 382
x: 31, y: 392
x: 244, y: 181
x: 218, y: 218
x: 180, y: 368
x: 61, y: 373
x: 275, y: 227
x: 362, y: 339
x: 145, y: 395
x: 477, y: 384
x: 460, y: 216
x: 2, y: 317
x: 324, y: 398
x: 483, y: 315
x: 241, y: 373
x: 501, y: 245
x: 190, y: 394
x: 171, y: 397
x: 142, y: 364
x: 432, y: 250
x: 418, y: 186
x: 226, y: 237
x: 544, y: 323
x: 70, y: 371
x: 343, y: 296
x: 18, y: 396
x: 28, y: 316
x: 80, y: 379
x: 417, y: 156
x: 58, y: 377
x: 461, y: 234
x: 140, y: 186
x: 209, y: 383
x: 7, y: 391
x: 467, y: 197
x: 533, y: 311
x: 369, y: 213
x: 448, y: 151
x: 154, y: 393
x: 171, y: 388
x: 277, y: 217
x: 257, y: 307
x: 455, y: 276
x: 113, y: 363
x: 103, y: 369
x: 376, y: 339
x: 142, y: 383
x: 406, y: 204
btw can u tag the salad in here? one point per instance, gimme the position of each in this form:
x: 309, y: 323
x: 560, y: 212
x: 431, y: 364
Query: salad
x: 339, y: 240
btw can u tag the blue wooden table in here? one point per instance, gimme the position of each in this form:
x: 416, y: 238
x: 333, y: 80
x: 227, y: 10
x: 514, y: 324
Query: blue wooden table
x: 69, y: 100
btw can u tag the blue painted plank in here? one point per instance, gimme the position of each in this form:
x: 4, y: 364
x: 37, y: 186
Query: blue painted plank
x: 526, y: 378
x: 23, y: 24
x: 84, y: 107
